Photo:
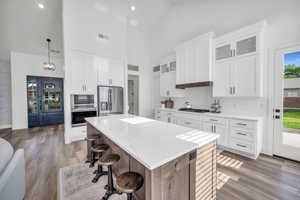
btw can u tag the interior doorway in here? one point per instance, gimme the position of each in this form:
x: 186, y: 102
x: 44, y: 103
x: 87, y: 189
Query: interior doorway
x: 287, y: 103
x: 133, y: 94
x: 45, y: 101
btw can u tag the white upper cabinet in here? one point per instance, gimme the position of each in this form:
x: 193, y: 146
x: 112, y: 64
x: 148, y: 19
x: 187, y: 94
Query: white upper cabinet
x: 110, y: 72
x: 83, y: 73
x: 194, y: 60
x: 88, y: 71
x: 238, y: 63
x: 116, y: 73
x: 168, y: 78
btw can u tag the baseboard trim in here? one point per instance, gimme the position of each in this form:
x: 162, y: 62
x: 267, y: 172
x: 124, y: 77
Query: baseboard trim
x: 5, y: 126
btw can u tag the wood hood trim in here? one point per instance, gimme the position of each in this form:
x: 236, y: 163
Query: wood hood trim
x: 196, y: 84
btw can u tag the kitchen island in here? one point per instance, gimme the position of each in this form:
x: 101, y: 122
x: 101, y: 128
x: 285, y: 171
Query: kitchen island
x: 177, y: 163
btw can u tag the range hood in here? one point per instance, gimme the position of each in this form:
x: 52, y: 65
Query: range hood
x: 196, y: 84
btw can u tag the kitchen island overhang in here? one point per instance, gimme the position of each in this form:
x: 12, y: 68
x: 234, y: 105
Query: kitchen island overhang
x: 177, y: 163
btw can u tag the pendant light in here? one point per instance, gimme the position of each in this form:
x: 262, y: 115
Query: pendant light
x: 49, y: 65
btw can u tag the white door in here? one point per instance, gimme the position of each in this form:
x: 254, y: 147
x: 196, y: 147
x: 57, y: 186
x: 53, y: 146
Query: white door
x: 245, y: 76
x: 217, y: 129
x: 164, y: 82
x: 221, y: 131
x: 207, y: 127
x: 287, y: 103
x: 116, y: 73
x: 156, y: 89
x: 78, y: 64
x: 91, y: 71
x: 222, y: 80
x: 103, y: 70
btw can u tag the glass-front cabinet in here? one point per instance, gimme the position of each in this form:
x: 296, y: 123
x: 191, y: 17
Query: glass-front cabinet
x: 238, y: 62
x: 223, y: 52
x: 240, y: 47
x: 246, y: 46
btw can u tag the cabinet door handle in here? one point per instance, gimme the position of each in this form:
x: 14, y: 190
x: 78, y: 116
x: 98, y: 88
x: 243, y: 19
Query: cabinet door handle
x: 244, y: 134
x: 215, y: 129
x: 234, y: 90
x: 241, y: 124
x: 239, y: 145
x: 230, y: 90
x: 233, y: 52
x: 212, y: 128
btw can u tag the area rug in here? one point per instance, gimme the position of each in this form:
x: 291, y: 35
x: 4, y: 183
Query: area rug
x: 75, y: 183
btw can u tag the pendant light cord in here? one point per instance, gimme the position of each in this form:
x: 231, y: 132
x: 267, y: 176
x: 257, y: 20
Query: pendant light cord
x: 48, y: 40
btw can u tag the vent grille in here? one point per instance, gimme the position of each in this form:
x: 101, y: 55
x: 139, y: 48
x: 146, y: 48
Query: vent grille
x: 156, y: 68
x: 133, y: 68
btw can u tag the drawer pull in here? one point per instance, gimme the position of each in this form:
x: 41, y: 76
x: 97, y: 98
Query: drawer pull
x: 214, y: 120
x: 241, y: 124
x: 239, y: 145
x: 187, y: 123
x: 244, y: 134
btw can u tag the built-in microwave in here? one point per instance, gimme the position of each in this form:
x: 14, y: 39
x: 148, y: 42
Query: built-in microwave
x: 83, y: 99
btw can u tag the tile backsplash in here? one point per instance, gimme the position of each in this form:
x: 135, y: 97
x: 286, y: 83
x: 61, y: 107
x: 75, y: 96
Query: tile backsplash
x: 201, y: 97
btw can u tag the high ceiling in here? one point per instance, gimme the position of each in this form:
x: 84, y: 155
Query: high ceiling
x: 25, y: 26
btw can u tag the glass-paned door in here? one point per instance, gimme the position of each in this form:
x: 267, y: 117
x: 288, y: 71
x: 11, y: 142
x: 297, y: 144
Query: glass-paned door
x: 45, y: 101
x: 287, y: 104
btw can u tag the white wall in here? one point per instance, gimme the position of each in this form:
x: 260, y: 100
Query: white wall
x: 138, y: 54
x: 5, y: 95
x: 23, y: 65
x: 82, y: 22
x: 188, y: 19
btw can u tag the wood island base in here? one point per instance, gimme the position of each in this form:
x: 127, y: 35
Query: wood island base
x: 192, y: 176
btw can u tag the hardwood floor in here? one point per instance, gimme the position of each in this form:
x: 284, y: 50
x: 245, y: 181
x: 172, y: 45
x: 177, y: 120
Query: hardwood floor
x: 239, y: 178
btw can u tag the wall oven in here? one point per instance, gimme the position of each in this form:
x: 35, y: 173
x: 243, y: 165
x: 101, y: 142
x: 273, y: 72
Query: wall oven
x: 78, y: 118
x: 83, y: 106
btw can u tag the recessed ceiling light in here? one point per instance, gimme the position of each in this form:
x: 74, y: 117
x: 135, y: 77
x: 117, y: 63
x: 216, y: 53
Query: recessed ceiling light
x: 41, y: 6
x: 132, y: 8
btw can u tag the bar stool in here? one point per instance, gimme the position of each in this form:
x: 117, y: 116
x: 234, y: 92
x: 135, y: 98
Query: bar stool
x: 97, y: 151
x: 90, y: 141
x: 108, y: 160
x: 129, y: 182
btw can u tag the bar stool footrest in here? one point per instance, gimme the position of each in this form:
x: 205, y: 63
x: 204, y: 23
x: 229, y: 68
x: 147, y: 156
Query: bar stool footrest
x: 109, y: 193
x: 98, y: 176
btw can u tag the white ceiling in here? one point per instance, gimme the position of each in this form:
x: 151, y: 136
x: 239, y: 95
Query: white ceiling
x: 24, y: 26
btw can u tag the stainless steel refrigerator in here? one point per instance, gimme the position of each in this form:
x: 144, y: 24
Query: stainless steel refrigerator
x: 110, y: 100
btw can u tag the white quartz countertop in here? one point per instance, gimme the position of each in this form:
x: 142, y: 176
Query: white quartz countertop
x: 152, y: 143
x: 222, y: 115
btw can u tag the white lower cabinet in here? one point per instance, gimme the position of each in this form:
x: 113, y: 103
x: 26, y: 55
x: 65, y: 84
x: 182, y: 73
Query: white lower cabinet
x: 78, y: 133
x: 242, y: 145
x: 239, y: 136
x: 187, y: 122
x: 219, y: 129
x: 166, y: 117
